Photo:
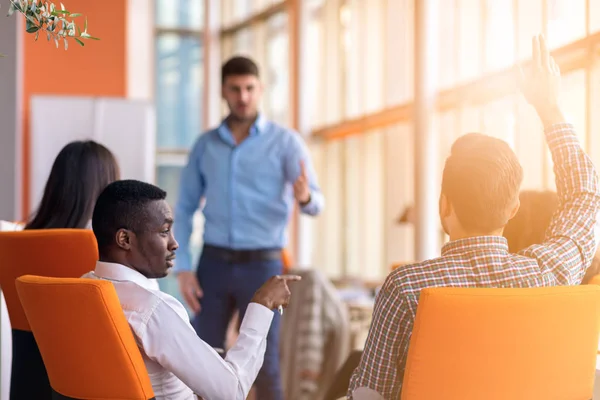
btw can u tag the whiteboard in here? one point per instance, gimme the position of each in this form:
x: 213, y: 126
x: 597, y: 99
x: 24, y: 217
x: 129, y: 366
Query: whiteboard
x: 126, y: 127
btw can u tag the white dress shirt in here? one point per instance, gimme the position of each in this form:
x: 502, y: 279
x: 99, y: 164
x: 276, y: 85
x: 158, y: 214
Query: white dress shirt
x: 179, y: 363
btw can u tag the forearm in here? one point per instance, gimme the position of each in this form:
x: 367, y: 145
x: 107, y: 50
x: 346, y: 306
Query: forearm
x: 577, y: 189
x: 575, y: 173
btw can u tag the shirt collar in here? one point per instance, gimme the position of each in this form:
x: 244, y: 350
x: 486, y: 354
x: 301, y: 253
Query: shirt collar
x: 120, y: 273
x: 477, y: 243
x: 258, y: 127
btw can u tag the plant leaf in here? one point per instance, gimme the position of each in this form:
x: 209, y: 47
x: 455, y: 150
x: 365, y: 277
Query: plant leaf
x: 32, y: 28
x: 66, y: 44
x: 79, y: 41
x: 75, y: 15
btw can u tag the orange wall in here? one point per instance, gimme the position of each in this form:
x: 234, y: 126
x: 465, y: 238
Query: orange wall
x: 98, y: 69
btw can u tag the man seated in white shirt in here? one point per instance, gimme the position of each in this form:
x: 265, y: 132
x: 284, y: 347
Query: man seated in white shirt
x: 132, y: 224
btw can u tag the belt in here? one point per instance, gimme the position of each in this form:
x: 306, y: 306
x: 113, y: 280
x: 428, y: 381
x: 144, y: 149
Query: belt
x: 241, y: 256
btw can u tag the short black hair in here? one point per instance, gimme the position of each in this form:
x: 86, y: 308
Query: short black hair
x: 238, y: 65
x: 481, y: 179
x: 122, y: 205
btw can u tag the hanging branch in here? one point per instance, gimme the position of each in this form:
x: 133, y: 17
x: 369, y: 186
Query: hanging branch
x: 58, y: 25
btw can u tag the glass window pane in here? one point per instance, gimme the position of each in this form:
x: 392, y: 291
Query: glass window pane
x: 594, y: 16
x: 447, y: 43
x: 187, y: 14
x: 349, y: 17
x: 500, y: 31
x: 469, y: 39
x: 277, y: 73
x: 179, y: 76
x: 243, y: 42
x: 241, y: 9
x: 315, y: 37
x: 529, y: 24
x: 566, y: 21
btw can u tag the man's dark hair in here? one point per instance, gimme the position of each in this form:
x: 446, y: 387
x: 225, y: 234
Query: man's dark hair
x: 123, y: 205
x: 238, y: 66
x: 481, y: 180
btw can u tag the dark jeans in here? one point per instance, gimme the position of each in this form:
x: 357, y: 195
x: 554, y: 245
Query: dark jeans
x: 230, y: 286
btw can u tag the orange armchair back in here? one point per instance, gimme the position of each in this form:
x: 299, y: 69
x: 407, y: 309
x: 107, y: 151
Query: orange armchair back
x: 493, y: 344
x: 46, y: 252
x: 85, y: 340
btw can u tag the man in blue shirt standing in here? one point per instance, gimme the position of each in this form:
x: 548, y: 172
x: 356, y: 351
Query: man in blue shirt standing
x: 250, y: 172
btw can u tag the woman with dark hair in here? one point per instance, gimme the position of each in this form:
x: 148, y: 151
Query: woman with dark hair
x: 80, y: 172
x: 529, y: 225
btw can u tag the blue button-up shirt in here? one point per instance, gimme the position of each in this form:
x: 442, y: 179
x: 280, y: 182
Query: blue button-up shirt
x: 247, y: 188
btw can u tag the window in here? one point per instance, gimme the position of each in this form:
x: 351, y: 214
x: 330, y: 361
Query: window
x: 566, y: 21
x: 180, y: 14
x: 178, y: 99
x: 276, y: 70
x: 500, y: 31
x: 178, y: 90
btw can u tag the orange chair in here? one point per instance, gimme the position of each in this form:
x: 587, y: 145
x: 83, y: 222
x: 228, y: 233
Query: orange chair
x: 493, y: 344
x: 595, y: 280
x: 84, y: 338
x: 54, y: 252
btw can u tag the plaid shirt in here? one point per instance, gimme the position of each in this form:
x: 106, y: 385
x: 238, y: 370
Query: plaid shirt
x: 485, y: 262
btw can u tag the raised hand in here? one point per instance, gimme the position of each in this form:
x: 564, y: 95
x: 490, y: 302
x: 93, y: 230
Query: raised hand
x: 542, y: 86
x: 275, y: 292
x: 301, y: 187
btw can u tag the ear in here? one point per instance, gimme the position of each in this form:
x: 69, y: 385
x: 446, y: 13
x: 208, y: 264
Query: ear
x: 445, y: 206
x: 515, y: 209
x: 123, y: 239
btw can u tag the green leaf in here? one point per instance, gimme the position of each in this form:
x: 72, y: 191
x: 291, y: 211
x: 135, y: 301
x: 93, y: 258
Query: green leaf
x: 31, y: 28
x: 58, y: 13
x: 11, y: 9
x: 76, y: 15
x: 91, y: 37
x: 85, y: 26
x: 79, y: 41
x: 37, y: 34
x: 48, y: 35
x: 78, y: 31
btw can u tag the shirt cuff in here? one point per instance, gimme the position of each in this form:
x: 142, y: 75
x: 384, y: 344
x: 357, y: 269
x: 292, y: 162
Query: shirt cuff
x: 257, y: 318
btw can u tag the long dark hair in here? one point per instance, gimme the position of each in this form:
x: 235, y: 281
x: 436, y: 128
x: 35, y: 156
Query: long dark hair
x: 80, y: 172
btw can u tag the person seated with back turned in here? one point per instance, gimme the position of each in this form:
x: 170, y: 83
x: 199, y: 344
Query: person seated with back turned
x: 132, y: 224
x: 480, y: 193
x: 530, y: 224
x: 80, y: 171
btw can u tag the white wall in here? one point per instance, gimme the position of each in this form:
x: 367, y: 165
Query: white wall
x: 126, y: 127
